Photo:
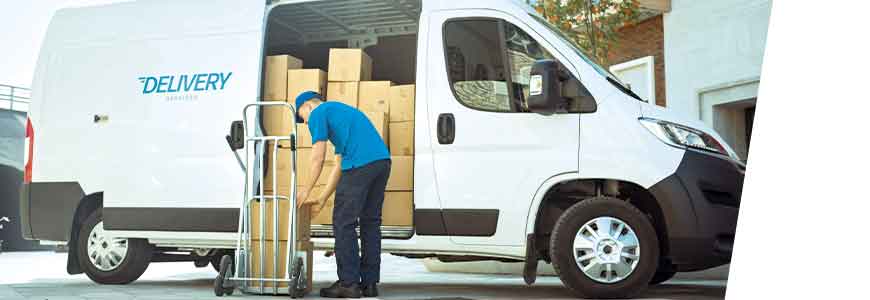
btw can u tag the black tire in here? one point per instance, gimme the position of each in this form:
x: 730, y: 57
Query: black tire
x: 561, y: 248
x: 297, y: 288
x: 216, y: 261
x: 662, y: 276
x: 135, y: 262
x: 225, y: 270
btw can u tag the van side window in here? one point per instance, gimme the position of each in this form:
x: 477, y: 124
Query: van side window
x: 522, y: 51
x: 483, y: 55
x: 475, y: 64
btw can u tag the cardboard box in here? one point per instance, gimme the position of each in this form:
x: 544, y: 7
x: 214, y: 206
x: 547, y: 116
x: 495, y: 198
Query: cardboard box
x: 278, y: 120
x: 303, y: 222
x: 344, y: 92
x: 349, y: 65
x: 402, y: 138
x: 283, y: 166
x: 374, y: 96
x: 401, y: 174
x: 285, y: 162
x: 303, y: 157
x: 379, y: 120
x: 398, y: 209
x: 269, y: 263
x: 324, y: 216
x: 299, y: 81
x: 275, y: 87
x: 304, y: 138
x: 402, y: 103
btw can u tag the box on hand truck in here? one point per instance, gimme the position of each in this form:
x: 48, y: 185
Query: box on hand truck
x: 271, y: 257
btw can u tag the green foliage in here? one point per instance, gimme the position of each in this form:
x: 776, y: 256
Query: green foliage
x: 593, y: 26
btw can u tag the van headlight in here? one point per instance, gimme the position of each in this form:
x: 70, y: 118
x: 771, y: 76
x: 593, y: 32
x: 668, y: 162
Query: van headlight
x: 681, y: 136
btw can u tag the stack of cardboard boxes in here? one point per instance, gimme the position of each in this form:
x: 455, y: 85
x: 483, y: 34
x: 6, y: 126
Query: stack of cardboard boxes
x: 400, y: 186
x: 390, y: 109
x: 285, y: 78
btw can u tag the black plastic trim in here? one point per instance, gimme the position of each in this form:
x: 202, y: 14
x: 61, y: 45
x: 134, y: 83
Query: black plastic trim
x: 456, y: 222
x: 24, y: 211
x: 471, y: 222
x: 49, y: 209
x: 429, y: 222
x: 171, y: 219
x: 700, y: 203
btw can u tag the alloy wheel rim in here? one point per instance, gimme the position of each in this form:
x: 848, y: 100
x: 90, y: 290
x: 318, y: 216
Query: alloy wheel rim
x: 606, y: 249
x: 106, y: 253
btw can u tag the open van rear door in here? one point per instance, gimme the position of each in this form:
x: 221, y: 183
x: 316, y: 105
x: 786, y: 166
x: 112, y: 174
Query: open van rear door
x: 189, y: 67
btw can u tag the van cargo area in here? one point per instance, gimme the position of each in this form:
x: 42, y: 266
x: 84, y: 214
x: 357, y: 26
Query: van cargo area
x: 386, y: 30
x: 324, y: 39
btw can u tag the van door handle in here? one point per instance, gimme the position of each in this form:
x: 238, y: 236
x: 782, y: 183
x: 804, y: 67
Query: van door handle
x: 101, y: 118
x: 446, y: 129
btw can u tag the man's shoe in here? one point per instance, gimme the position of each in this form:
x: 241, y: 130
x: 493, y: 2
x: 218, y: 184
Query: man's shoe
x: 370, y: 290
x: 337, y: 290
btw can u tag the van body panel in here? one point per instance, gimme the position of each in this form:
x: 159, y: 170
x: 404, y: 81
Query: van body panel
x: 425, y: 187
x: 129, y: 93
x: 615, y: 146
x: 159, y: 149
x: 498, y: 160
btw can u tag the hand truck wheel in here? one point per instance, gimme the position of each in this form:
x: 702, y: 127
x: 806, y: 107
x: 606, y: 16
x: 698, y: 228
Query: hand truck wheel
x: 225, y: 271
x: 297, y: 286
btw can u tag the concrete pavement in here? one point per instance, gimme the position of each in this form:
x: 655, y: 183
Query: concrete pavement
x: 42, y: 275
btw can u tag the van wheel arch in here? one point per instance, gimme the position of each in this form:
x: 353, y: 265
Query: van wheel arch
x: 87, y: 205
x: 565, y: 194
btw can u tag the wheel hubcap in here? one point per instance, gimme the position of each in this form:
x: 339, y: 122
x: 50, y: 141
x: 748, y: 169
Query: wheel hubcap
x: 606, y: 249
x: 106, y: 253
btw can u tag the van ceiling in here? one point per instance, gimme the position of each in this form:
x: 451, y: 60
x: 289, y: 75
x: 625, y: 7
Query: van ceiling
x: 353, y: 20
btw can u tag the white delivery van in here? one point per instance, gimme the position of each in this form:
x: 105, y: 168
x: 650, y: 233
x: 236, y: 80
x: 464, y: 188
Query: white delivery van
x: 549, y: 157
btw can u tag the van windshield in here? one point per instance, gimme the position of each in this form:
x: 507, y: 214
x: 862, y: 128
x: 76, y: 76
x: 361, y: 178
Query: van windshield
x: 598, y: 68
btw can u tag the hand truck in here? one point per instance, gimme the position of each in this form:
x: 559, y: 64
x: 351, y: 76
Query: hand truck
x: 238, y: 273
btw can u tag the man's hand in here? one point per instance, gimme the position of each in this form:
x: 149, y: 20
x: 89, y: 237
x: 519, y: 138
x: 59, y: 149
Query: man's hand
x: 301, y: 196
x: 315, y: 201
x: 316, y: 205
x: 304, y: 198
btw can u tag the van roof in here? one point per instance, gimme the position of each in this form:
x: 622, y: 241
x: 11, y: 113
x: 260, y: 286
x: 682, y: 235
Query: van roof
x: 152, y: 19
x: 156, y: 19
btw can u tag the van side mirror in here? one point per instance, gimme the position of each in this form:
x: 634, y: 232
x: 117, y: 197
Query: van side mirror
x: 236, y: 138
x: 552, y: 89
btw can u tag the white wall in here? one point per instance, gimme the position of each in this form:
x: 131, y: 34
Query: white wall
x: 710, y: 45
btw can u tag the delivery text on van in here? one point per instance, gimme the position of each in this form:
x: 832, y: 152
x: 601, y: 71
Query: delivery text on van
x: 184, y: 83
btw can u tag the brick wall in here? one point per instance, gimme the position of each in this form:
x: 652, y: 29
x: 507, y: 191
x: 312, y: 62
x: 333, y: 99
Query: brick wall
x: 643, y: 39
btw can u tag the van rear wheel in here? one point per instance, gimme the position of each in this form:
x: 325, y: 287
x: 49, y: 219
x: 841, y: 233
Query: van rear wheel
x: 109, y: 260
x: 604, y: 248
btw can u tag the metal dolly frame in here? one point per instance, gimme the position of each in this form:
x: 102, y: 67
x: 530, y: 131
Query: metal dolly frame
x: 239, y: 275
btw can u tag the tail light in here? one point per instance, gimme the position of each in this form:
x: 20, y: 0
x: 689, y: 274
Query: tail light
x: 28, y: 151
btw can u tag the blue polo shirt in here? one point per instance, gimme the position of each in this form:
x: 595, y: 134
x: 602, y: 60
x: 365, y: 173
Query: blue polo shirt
x: 350, y: 131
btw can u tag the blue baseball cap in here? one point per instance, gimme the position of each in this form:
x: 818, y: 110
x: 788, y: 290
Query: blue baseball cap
x: 305, y: 96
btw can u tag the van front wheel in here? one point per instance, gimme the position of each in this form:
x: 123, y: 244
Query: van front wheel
x: 110, y: 260
x: 604, y: 248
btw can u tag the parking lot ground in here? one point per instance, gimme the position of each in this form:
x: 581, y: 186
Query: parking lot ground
x: 42, y: 275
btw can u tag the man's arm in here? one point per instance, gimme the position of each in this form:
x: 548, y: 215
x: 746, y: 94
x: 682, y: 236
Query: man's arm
x: 318, y: 154
x: 332, y: 182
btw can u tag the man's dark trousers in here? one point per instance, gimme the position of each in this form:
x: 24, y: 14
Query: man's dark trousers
x: 359, y: 199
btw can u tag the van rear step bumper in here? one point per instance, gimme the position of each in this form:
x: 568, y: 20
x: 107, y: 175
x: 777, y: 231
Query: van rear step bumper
x: 387, y: 232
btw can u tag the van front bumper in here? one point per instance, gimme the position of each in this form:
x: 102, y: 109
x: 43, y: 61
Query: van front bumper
x: 700, y: 203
